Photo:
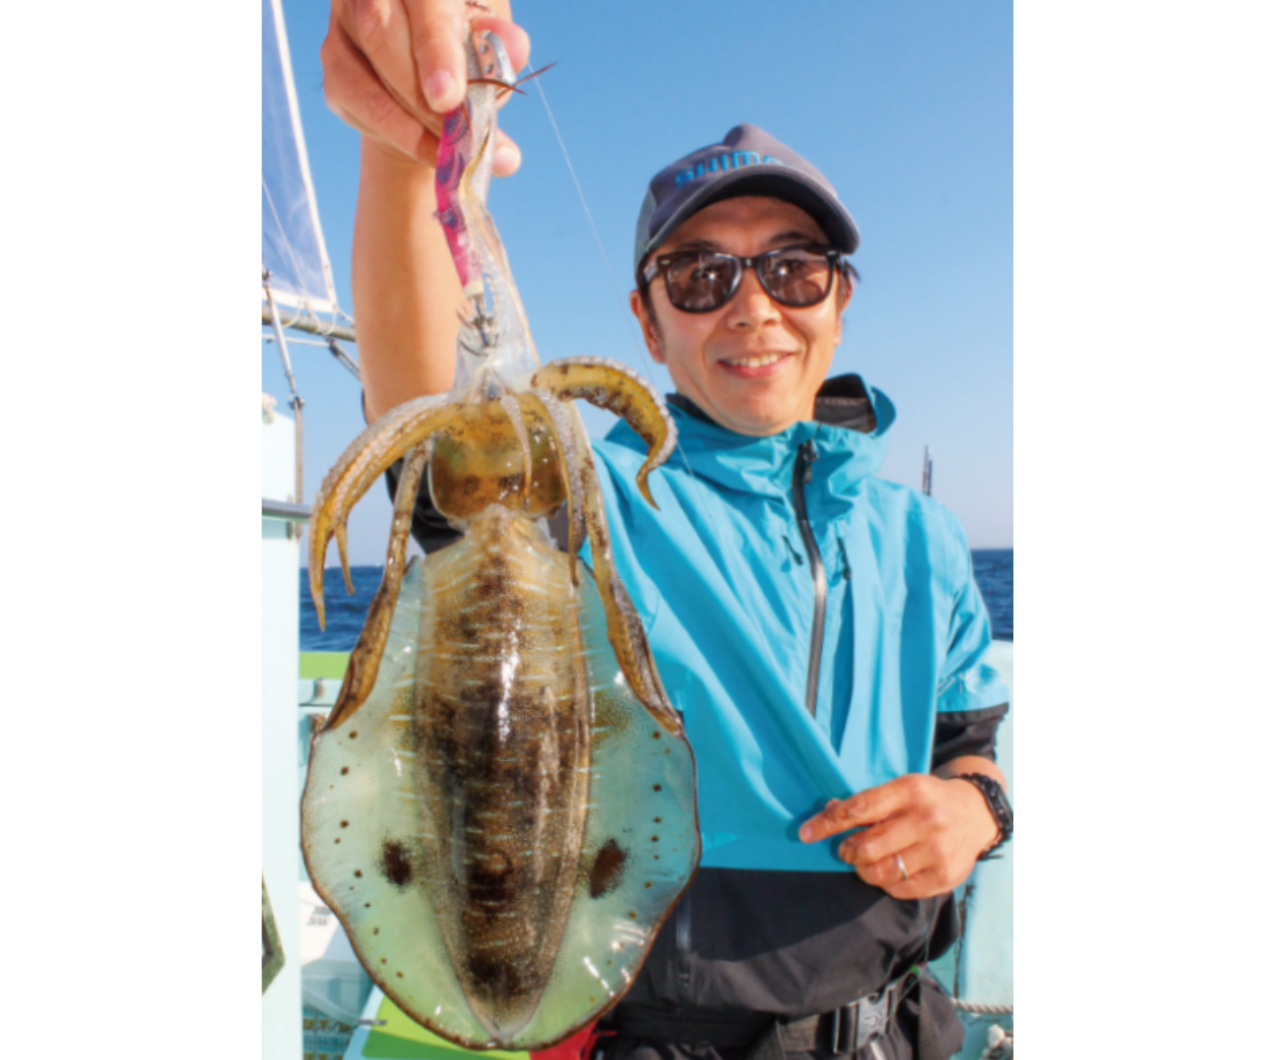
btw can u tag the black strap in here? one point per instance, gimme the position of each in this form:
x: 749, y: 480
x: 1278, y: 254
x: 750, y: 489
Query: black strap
x: 843, y: 1031
x: 929, y: 1044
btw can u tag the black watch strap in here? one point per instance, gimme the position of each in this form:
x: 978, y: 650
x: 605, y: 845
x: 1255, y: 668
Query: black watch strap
x: 998, y: 804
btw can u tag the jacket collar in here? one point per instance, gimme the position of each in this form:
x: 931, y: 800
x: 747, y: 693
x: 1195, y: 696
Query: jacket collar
x: 849, y: 428
x: 842, y: 401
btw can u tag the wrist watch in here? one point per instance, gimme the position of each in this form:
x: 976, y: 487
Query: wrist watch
x: 998, y: 804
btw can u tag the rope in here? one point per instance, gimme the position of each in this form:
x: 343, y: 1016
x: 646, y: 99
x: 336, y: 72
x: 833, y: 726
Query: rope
x: 982, y: 1010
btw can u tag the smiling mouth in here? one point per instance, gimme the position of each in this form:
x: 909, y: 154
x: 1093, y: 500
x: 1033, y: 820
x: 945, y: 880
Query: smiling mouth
x: 760, y: 360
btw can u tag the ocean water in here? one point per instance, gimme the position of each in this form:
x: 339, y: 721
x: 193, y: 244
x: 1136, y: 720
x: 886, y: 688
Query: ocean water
x: 993, y: 571
x: 344, y: 615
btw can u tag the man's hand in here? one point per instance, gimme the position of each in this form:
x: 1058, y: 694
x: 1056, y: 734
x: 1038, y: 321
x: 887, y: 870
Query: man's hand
x: 392, y: 68
x: 937, y: 826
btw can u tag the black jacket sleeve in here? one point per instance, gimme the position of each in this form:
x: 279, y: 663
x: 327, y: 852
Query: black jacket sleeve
x: 429, y: 528
x: 966, y: 732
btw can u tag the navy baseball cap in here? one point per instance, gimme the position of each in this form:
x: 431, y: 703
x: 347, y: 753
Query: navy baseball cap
x: 747, y: 162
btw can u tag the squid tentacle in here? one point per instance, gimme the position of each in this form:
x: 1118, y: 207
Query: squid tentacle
x: 616, y: 388
x: 512, y: 408
x: 544, y: 405
x: 366, y: 657
x: 363, y: 462
x: 340, y: 535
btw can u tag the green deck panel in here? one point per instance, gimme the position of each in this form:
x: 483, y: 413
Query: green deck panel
x: 313, y: 664
x: 402, y: 1039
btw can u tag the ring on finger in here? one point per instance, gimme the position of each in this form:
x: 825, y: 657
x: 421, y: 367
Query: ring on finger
x: 901, y: 867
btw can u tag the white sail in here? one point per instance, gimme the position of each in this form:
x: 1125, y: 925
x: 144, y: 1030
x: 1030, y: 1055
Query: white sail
x: 292, y: 243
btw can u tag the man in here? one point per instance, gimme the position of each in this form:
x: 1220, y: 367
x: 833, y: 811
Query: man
x: 819, y: 628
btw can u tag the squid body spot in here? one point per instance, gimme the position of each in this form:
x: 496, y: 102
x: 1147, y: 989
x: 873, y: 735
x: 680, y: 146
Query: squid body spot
x: 396, y: 866
x: 606, y: 869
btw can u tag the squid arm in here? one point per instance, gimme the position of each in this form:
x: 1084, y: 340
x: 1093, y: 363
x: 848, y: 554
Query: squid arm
x: 626, y: 632
x: 363, y: 462
x: 512, y: 408
x: 617, y: 389
x: 542, y: 405
x: 362, y: 670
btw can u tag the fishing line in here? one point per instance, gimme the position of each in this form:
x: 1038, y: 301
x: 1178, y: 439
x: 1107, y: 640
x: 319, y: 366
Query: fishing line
x: 640, y: 349
x: 613, y: 280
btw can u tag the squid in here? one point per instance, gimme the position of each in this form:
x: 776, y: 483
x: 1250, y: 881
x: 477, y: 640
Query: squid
x: 501, y: 808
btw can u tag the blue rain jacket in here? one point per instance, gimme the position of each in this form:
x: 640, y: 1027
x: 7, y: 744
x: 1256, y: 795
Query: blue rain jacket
x: 720, y: 576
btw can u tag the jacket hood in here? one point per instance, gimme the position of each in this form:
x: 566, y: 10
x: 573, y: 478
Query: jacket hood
x: 849, y: 432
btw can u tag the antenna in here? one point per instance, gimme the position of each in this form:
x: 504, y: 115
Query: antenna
x: 927, y: 481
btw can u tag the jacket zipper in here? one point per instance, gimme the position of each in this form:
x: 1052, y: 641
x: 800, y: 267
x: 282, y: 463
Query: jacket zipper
x: 805, y: 458
x: 803, y: 474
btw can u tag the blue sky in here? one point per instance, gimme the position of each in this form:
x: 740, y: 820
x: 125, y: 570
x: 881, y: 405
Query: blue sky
x: 908, y: 110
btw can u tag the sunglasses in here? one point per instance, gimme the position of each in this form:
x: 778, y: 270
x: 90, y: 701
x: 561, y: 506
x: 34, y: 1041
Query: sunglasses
x: 700, y: 281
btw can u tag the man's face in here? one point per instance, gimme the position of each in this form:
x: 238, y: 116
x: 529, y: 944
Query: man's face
x: 752, y: 365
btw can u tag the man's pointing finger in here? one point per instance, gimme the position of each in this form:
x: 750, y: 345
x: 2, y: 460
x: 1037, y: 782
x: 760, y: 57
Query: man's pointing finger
x: 867, y: 807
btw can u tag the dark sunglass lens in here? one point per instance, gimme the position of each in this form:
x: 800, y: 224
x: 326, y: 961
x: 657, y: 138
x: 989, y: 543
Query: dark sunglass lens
x: 698, y: 283
x: 797, y: 277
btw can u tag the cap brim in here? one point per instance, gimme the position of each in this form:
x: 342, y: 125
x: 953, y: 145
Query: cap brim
x: 776, y: 183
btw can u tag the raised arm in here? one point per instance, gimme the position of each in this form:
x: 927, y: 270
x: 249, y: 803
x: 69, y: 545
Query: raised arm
x: 391, y: 69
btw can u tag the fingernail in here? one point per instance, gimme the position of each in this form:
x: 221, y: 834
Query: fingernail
x: 506, y: 160
x: 441, y: 87
x: 806, y: 833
